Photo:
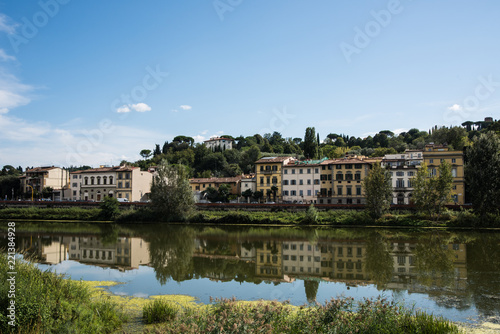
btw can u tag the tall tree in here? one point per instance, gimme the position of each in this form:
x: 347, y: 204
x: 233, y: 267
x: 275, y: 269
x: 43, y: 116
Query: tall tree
x: 431, y: 191
x: 482, y: 173
x: 310, y: 143
x: 171, y: 195
x: 378, y: 191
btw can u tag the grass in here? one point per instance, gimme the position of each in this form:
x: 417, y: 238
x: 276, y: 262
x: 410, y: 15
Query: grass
x: 337, y: 316
x: 159, y: 310
x: 48, y: 303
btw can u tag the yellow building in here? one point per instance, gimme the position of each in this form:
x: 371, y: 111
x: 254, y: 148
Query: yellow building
x: 268, y: 261
x: 434, y: 155
x: 346, y: 177
x: 269, y: 173
x: 201, y: 184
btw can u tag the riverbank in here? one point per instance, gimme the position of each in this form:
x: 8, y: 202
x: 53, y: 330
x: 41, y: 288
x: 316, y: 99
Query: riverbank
x: 46, y: 302
x: 339, y: 217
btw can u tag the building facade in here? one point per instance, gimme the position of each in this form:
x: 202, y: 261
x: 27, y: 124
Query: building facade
x: 219, y: 143
x: 269, y: 174
x: 434, y: 155
x: 38, y: 178
x: 403, y: 168
x: 301, y: 181
x: 119, y: 182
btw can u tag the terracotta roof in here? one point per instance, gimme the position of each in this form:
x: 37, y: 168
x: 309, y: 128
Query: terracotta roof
x: 216, y: 179
x: 272, y: 159
x: 106, y: 169
x: 40, y: 169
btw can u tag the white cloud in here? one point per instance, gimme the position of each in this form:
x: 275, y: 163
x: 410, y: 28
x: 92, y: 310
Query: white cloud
x: 12, y: 92
x: 199, y: 138
x: 123, y: 109
x: 175, y: 110
x: 5, y: 57
x: 185, y: 107
x: 455, y: 107
x: 5, y: 27
x: 204, y: 132
x: 141, y: 107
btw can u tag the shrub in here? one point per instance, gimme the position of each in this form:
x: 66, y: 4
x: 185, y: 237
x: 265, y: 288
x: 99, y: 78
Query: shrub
x: 159, y: 311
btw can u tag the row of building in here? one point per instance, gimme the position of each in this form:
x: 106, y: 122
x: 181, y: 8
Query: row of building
x: 280, y: 179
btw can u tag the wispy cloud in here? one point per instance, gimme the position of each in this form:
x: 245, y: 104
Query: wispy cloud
x: 185, y: 107
x: 12, y: 92
x: 5, y: 57
x: 5, y: 26
x: 123, y: 109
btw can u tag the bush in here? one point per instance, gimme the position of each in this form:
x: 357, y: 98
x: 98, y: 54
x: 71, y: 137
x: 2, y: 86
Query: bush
x: 48, y: 303
x: 159, y: 311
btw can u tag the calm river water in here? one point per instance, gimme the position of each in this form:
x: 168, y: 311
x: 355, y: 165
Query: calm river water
x: 455, y: 274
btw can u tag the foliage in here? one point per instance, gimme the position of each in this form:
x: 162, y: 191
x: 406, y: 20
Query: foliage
x: 310, y: 144
x: 109, y: 208
x: 311, y: 216
x: 378, y: 189
x: 47, y: 192
x: 159, y: 310
x: 48, y: 303
x: 30, y: 213
x: 336, y: 316
x: 482, y: 173
x: 432, y: 192
x: 171, y: 195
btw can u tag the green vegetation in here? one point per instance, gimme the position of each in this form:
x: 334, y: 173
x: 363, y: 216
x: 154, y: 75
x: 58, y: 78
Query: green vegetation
x: 378, y: 189
x: 482, y: 173
x: 35, y: 213
x: 159, y: 310
x: 109, y: 208
x: 48, y: 303
x: 171, y: 195
x: 337, y: 316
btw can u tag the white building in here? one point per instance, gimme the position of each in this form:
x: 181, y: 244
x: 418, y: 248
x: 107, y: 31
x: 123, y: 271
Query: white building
x: 120, y: 182
x: 301, y: 181
x: 219, y: 142
x: 403, y: 168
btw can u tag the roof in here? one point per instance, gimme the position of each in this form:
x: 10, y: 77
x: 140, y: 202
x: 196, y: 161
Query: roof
x: 266, y: 160
x: 216, y: 179
x: 105, y: 169
x: 298, y: 163
x: 40, y: 169
x: 219, y: 138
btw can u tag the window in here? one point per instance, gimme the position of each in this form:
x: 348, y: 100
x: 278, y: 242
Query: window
x: 348, y: 166
x: 453, y: 161
x: 261, y: 168
x: 293, y: 193
x: 400, y: 173
x: 86, y: 180
x: 340, y: 176
x: 349, y: 191
x: 75, y: 176
x: 286, y: 171
x: 120, y: 185
x: 268, y: 180
x: 454, y: 172
x: 316, y: 170
x: 358, y: 166
x: 309, y: 182
x: 309, y: 171
x: 285, y: 182
x: 285, y: 193
x: 275, y: 180
x: 293, y: 182
x: 74, y: 185
x: 339, y: 191
x: 431, y: 161
x: 358, y: 191
x: 309, y: 193
x: 411, y: 173
x: 338, y: 166
x: 261, y: 180
x: 301, y: 182
x: 301, y: 171
x: 120, y: 176
x: 127, y: 184
x: 110, y: 180
x: 91, y: 180
x: 357, y: 176
x: 293, y: 171
x: 400, y: 183
x: 104, y: 180
x: 348, y: 176
x: 301, y: 192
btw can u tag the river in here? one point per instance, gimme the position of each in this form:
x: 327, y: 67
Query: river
x: 454, y: 274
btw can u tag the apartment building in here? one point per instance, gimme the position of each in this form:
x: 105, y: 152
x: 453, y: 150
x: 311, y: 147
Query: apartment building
x: 403, y: 168
x: 119, y: 182
x: 201, y: 184
x: 301, y: 181
x: 219, y: 143
x: 269, y: 175
x: 35, y: 179
x: 434, y: 155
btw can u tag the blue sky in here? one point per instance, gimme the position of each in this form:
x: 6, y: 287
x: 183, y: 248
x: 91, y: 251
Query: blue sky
x: 94, y: 82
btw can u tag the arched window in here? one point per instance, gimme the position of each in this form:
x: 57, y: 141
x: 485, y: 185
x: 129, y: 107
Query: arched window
x: 340, y: 176
x: 91, y: 180
x: 98, y: 180
x: 110, y: 180
x: 104, y: 180
x: 86, y: 180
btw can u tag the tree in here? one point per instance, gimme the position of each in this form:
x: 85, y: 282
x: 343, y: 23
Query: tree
x: 109, y: 208
x: 145, y: 154
x: 47, y: 192
x: 247, y: 194
x: 224, y: 191
x: 211, y: 194
x: 274, y: 190
x: 258, y: 195
x: 171, y: 195
x: 431, y: 192
x: 310, y: 143
x: 482, y: 173
x: 378, y: 191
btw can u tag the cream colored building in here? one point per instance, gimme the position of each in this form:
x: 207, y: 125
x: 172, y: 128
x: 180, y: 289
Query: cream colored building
x: 301, y: 181
x: 119, y: 182
x: 41, y: 177
x: 403, y: 168
x: 220, y: 143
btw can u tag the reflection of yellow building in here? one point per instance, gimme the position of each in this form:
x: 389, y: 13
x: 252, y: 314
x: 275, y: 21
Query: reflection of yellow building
x: 269, y: 173
x: 434, y: 155
x: 268, y: 264
x: 350, y: 260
